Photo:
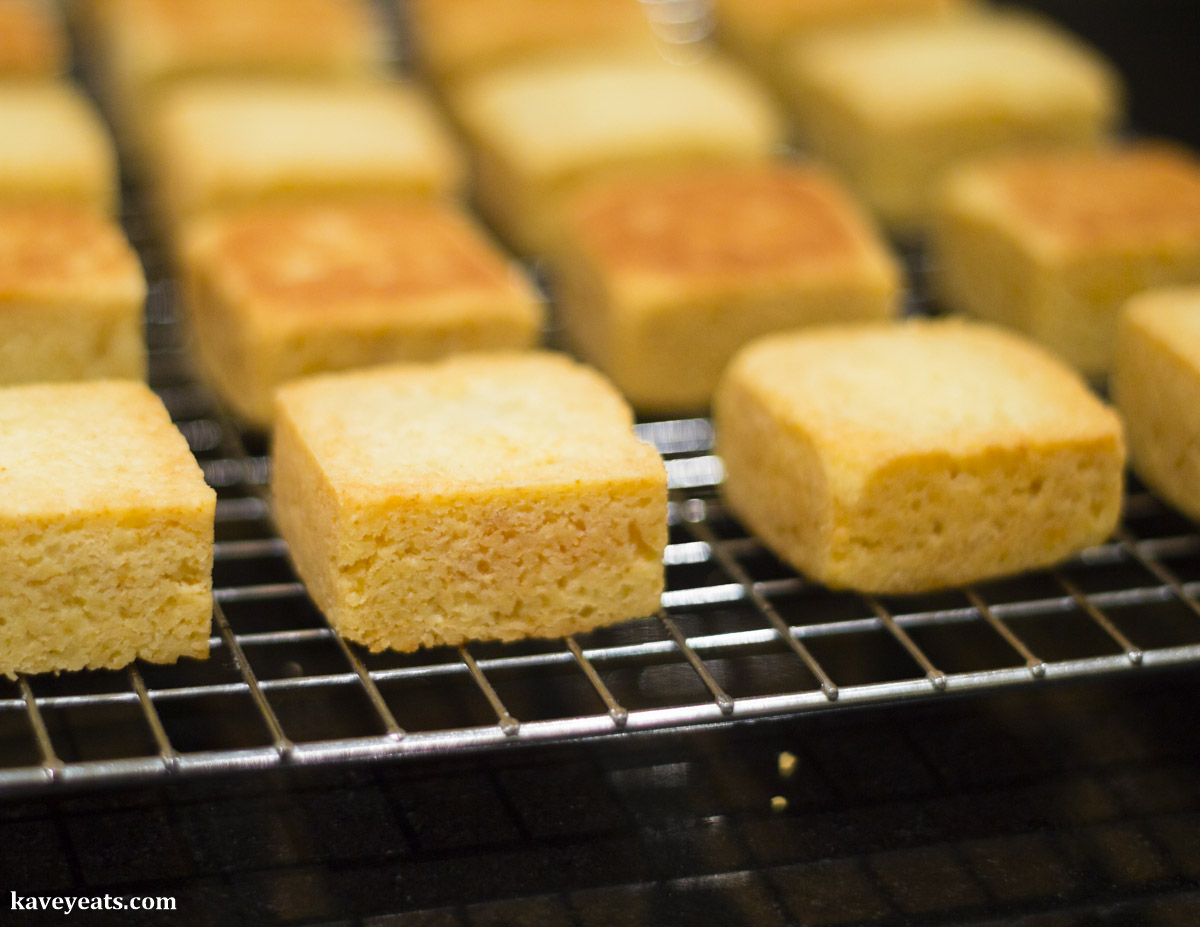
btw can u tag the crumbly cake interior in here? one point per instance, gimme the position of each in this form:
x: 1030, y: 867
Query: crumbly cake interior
x: 916, y: 458
x: 106, y: 516
x: 98, y: 592
x: 490, y: 497
x: 1156, y: 385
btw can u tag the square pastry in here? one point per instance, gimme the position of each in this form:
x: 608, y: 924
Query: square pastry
x: 146, y: 46
x: 542, y: 127
x: 893, y: 106
x: 106, y: 530
x: 1156, y: 386
x: 662, y: 278
x: 277, y: 293
x: 71, y: 297
x: 33, y: 42
x: 53, y: 147
x: 1053, y: 244
x: 910, y: 457
x: 221, y: 144
x: 494, y: 496
x: 759, y: 29
x: 460, y: 37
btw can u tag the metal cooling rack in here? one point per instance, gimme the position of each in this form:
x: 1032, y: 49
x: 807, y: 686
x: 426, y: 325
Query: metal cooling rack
x: 739, y: 636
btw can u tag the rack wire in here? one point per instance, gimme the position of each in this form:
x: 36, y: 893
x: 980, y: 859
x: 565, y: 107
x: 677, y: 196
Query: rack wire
x: 740, y: 635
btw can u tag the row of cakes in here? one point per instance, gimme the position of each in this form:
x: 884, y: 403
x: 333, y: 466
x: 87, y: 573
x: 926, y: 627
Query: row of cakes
x: 312, y: 195
x: 629, y: 259
x: 71, y: 286
x: 227, y: 160
x: 104, y: 511
x: 106, y: 524
x: 686, y: 214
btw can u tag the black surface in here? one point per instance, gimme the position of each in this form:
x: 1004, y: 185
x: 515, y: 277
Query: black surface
x: 1058, y: 806
x: 1154, y: 44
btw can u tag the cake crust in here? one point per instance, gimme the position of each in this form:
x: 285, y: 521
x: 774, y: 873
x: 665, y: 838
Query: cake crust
x: 225, y: 144
x: 913, y: 457
x: 493, y: 497
x: 1156, y: 387
x: 895, y: 73
x: 330, y: 259
x: 183, y: 35
x: 108, y: 524
x: 279, y: 292
x: 562, y: 115
x: 32, y: 41
x: 1076, y: 202
x: 662, y: 278
x: 894, y: 106
x: 544, y: 127
x: 62, y: 251
x: 777, y: 222
x: 762, y: 26
x: 71, y: 297
x: 462, y: 37
x: 1054, y: 243
x: 54, y: 148
x: 147, y: 47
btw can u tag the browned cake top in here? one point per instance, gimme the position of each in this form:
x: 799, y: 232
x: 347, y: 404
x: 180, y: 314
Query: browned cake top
x: 801, y: 14
x: 101, y: 447
x: 321, y: 30
x: 459, y: 35
x: 288, y: 23
x: 30, y: 39
x: 474, y: 421
x: 322, y: 258
x: 1145, y: 195
x: 51, y: 248
x: 721, y: 222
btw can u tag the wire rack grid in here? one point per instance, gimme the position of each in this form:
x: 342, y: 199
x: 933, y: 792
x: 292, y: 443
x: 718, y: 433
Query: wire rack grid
x: 740, y: 635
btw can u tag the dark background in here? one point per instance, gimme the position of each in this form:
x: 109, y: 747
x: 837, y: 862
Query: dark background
x: 1075, y: 806
x: 1063, y: 806
x: 1156, y: 46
